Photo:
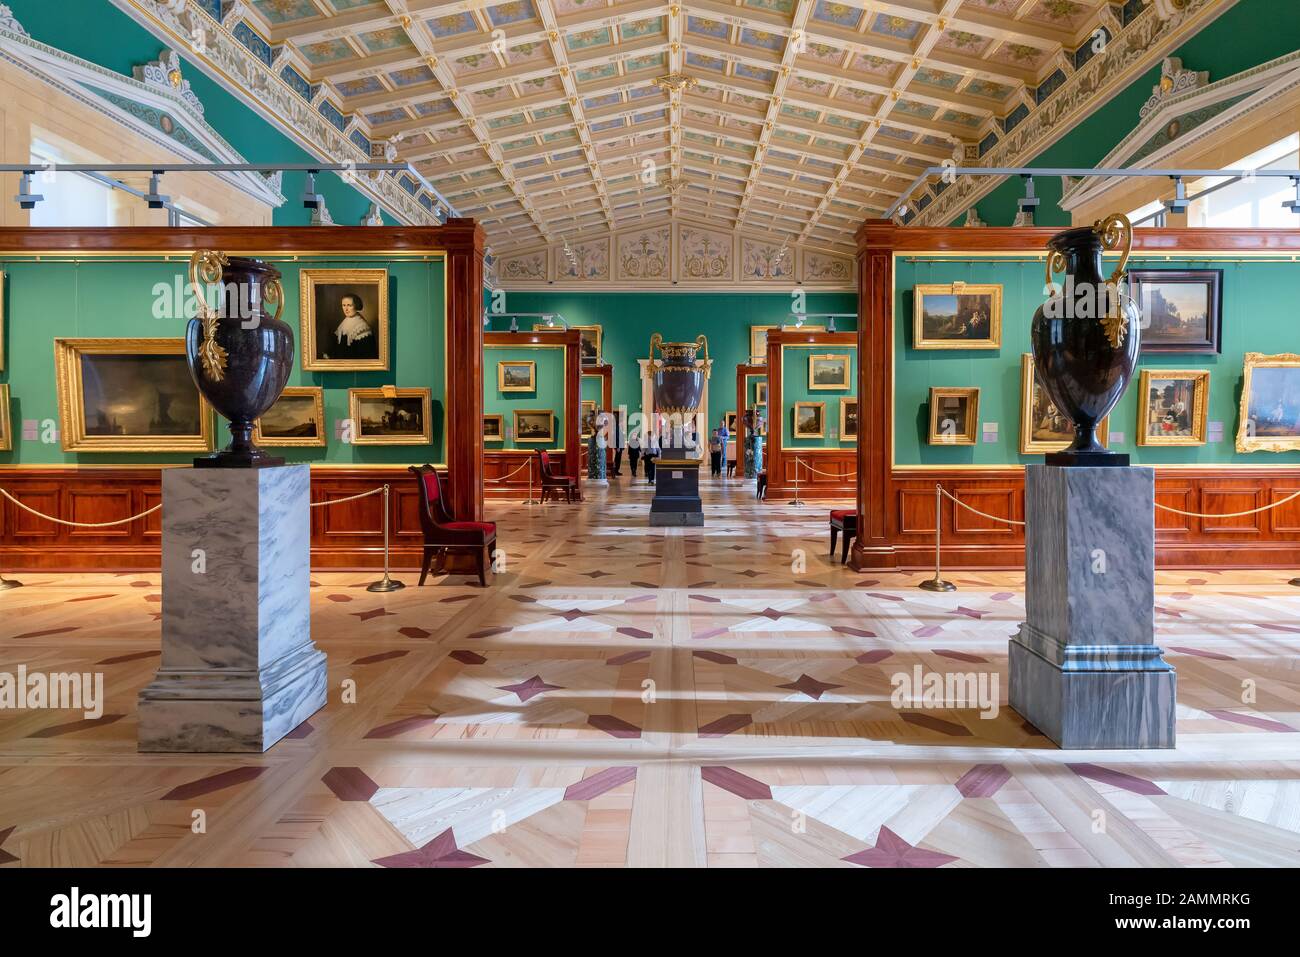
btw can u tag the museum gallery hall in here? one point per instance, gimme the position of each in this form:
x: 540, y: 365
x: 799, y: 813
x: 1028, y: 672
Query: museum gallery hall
x: 638, y: 434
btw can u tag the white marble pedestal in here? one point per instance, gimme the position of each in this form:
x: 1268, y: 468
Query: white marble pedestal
x: 239, y: 669
x: 1085, y: 669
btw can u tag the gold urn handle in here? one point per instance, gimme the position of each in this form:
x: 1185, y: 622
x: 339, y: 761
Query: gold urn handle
x: 702, y: 343
x: 273, y: 293
x: 1055, y: 264
x: 1116, y: 230
x: 205, y: 267
x: 656, y: 341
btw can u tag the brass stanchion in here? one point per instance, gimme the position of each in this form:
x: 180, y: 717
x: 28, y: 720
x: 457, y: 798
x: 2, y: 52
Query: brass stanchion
x: 385, y: 584
x: 937, y: 583
x: 530, y: 500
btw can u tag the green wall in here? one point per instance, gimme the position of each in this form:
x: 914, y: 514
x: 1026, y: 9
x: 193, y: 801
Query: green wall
x: 97, y: 31
x: 628, y: 319
x: 1255, y: 319
x: 549, y: 393
x: 112, y: 299
x: 1248, y: 34
x: 794, y: 388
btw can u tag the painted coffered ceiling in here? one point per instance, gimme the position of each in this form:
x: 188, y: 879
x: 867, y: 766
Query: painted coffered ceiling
x: 553, y: 120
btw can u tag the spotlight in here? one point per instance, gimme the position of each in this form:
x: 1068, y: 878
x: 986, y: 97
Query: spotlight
x: 514, y: 324
x: 1180, y: 202
x: 550, y: 322
x: 26, y: 198
x: 1294, y: 204
x: 310, y: 198
x: 830, y: 324
x: 154, y: 198
x: 1029, y: 201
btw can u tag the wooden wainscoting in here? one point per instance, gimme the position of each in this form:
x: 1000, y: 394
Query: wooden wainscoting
x: 348, y: 535
x: 822, y: 474
x: 1266, y: 539
x: 499, y: 463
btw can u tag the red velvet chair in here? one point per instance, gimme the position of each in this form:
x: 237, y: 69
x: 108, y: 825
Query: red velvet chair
x: 843, y: 520
x: 553, y: 484
x: 443, y: 534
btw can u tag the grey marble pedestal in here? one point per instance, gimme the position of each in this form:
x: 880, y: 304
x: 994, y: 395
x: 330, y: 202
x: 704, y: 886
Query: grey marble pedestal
x: 1085, y: 669
x: 239, y: 669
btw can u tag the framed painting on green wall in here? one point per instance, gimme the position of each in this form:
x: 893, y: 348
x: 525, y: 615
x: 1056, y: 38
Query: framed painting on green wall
x: 494, y: 428
x: 2, y: 322
x: 954, y: 415
x: 389, y: 416
x: 1270, y: 403
x: 1043, y: 428
x: 588, y: 418
x: 848, y: 420
x: 296, y: 419
x: 1181, y: 309
x: 828, y: 372
x: 129, y: 395
x: 6, y: 433
x: 344, y: 318
x: 760, y: 393
x: 517, y: 375
x: 589, y: 345
x: 534, y: 425
x: 1173, y: 406
x: 957, y: 316
x: 809, y: 420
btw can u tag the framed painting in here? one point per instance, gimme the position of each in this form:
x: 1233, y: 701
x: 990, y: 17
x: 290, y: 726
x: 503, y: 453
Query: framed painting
x: 1043, y: 428
x: 729, y: 417
x: 1174, y: 405
x: 954, y: 415
x: 129, y: 395
x: 297, y: 418
x: 534, y: 425
x: 1182, y: 309
x: 389, y: 416
x: 589, y: 345
x: 6, y: 430
x: 760, y: 393
x: 809, y: 420
x: 828, y: 372
x: 588, y: 420
x: 758, y: 344
x: 957, y: 316
x: 848, y: 420
x: 517, y: 375
x: 1270, y: 403
x: 2, y: 322
x: 344, y: 318
x: 494, y: 428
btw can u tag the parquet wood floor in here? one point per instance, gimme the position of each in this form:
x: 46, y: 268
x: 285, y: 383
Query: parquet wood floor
x: 634, y: 696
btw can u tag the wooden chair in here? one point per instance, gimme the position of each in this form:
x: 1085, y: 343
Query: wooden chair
x: 843, y: 520
x: 442, y: 533
x: 553, y: 484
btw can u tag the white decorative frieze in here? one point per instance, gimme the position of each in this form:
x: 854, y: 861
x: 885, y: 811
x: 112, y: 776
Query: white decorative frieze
x: 165, y: 73
x: 645, y: 254
x: 704, y: 255
x: 7, y: 21
x: 584, y: 261
x: 1173, y: 81
x: 522, y: 267
x: 825, y: 267
x: 765, y: 261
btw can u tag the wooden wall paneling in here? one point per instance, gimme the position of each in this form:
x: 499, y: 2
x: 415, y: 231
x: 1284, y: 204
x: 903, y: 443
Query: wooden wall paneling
x: 606, y: 374
x: 743, y: 372
x: 464, y: 415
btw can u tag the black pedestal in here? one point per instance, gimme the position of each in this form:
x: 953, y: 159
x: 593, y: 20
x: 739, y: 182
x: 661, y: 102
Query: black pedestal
x: 677, y: 492
x: 1092, y: 460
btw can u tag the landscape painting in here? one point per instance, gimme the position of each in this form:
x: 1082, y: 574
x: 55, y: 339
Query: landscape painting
x: 1270, y: 403
x: 388, y: 416
x: 1181, y: 309
x: 957, y: 316
x: 809, y: 420
x: 828, y: 372
x: 297, y: 418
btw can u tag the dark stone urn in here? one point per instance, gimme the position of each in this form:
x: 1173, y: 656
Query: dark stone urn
x: 678, y: 381
x: 1086, y: 337
x: 678, y: 392
x: 239, y: 355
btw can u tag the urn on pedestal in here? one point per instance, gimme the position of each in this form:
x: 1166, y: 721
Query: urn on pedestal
x: 239, y: 355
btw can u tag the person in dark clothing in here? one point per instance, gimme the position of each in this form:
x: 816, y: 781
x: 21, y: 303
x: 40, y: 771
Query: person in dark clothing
x: 715, y: 452
x: 649, y: 455
x: 633, y: 453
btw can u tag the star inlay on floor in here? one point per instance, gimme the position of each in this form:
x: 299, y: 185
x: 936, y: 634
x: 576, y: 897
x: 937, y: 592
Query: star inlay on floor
x: 627, y: 696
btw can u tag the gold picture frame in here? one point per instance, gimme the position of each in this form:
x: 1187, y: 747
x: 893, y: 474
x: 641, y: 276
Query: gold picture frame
x: 962, y: 311
x: 535, y: 437
x: 587, y: 423
x: 494, y: 427
x: 6, y: 429
x: 111, y: 435
x: 1164, y: 425
x: 963, y: 430
x: 1274, y: 437
x: 590, y: 345
x: 847, y: 435
x: 2, y: 321
x: 325, y: 291
x: 283, y: 437
x: 839, y: 361
x: 503, y: 377
x: 406, y: 427
x: 758, y: 344
x: 819, y: 420
x: 760, y: 393
x: 1035, y: 405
